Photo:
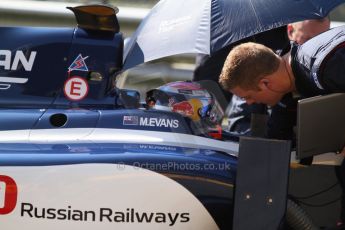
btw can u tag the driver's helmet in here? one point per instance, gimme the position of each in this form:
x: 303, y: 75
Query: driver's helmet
x: 187, y: 98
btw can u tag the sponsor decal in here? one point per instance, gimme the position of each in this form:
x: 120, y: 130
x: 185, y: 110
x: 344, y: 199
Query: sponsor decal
x: 8, y: 194
x: 150, y: 121
x: 159, y: 122
x: 173, y: 24
x: 17, y: 80
x: 183, y: 107
x: 185, y: 91
x: 99, y: 196
x: 76, y: 88
x: 158, y: 147
x: 130, y: 120
x: 19, y: 58
x: 194, y: 92
x: 150, y: 147
x: 79, y: 64
x: 19, y: 61
x: 5, y: 86
x: 109, y: 215
x: 13, y: 80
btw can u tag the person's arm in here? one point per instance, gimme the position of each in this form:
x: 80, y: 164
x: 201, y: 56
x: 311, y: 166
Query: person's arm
x: 333, y: 72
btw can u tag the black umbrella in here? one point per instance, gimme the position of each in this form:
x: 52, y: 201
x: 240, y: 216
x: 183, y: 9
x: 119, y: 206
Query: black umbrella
x: 205, y: 26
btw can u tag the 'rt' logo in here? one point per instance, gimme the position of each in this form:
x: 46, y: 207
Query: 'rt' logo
x: 8, y: 194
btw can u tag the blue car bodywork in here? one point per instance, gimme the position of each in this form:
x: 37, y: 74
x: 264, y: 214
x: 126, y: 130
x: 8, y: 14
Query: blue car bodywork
x: 49, y: 124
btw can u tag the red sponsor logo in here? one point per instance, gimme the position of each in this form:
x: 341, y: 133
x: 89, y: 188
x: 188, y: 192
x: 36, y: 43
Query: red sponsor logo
x: 184, y: 108
x: 8, y: 194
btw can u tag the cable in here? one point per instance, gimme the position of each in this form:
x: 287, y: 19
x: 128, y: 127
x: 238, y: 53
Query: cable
x: 297, y: 218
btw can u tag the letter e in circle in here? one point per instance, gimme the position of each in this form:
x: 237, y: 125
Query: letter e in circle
x: 76, y: 88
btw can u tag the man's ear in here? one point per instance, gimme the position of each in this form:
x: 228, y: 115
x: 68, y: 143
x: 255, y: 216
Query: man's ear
x: 290, y: 30
x: 263, y: 83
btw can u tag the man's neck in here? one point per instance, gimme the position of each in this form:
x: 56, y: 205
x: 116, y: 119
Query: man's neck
x: 288, y: 72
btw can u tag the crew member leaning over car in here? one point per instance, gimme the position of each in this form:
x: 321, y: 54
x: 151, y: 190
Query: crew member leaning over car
x: 283, y: 116
x: 316, y: 67
x: 241, y: 114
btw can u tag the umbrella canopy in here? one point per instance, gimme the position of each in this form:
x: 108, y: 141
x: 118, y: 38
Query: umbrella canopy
x: 205, y: 26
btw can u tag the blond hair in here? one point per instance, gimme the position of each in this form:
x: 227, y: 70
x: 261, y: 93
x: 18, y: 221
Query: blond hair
x: 246, y: 64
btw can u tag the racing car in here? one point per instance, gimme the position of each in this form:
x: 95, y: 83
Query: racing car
x: 77, y: 152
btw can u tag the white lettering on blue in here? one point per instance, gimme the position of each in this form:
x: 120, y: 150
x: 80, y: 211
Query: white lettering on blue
x: 19, y: 57
x: 159, y: 122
